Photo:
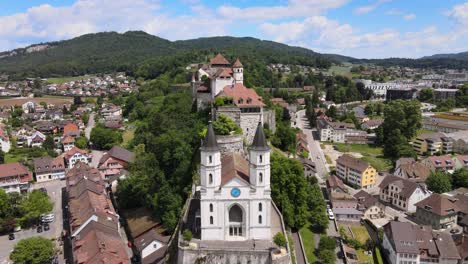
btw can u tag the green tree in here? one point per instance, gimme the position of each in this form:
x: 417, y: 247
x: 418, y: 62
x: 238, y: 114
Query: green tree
x: 289, y: 190
x: 331, y: 112
x: 279, y: 239
x: 33, y: 205
x: 225, y: 126
x: 327, y: 256
x: 49, y: 143
x: 33, y: 250
x: 327, y: 243
x: 460, y: 178
x: 2, y: 157
x: 85, y: 117
x: 81, y: 142
x: 426, y: 95
x: 5, y: 206
x: 187, y: 235
x: 439, y: 182
x: 369, y: 109
x: 284, y: 137
x: 105, y: 138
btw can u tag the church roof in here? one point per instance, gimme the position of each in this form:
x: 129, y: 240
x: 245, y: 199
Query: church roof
x: 259, y: 142
x: 219, y: 60
x: 237, y: 64
x: 234, y: 165
x: 243, y: 96
x: 209, y: 143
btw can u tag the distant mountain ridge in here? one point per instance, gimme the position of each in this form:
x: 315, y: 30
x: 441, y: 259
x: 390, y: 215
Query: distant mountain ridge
x: 458, y: 56
x: 145, y: 55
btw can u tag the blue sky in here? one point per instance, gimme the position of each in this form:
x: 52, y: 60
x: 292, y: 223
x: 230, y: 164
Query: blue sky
x: 359, y: 28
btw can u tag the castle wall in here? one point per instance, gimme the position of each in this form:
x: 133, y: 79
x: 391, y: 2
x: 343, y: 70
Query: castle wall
x: 249, y: 123
x: 270, y: 119
x: 233, y: 143
x: 209, y: 256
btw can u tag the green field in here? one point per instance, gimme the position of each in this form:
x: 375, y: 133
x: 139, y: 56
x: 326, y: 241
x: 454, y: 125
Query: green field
x: 61, y: 80
x: 371, y: 154
x: 340, y: 70
x: 291, y: 246
x: 308, y: 241
x: 361, y: 235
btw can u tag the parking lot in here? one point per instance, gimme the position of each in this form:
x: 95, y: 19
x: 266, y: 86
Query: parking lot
x: 54, y: 190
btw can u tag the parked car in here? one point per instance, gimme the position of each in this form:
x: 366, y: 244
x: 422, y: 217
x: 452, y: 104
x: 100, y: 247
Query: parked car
x: 331, y: 216
x: 46, y: 227
x: 11, y: 236
x: 39, y: 229
x: 47, y: 218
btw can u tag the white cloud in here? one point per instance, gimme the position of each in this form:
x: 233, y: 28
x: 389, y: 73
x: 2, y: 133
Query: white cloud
x: 409, y: 16
x: 368, y: 8
x: 460, y: 14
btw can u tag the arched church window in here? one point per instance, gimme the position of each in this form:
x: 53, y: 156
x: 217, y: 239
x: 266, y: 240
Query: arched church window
x: 211, y: 220
x: 210, y: 159
x: 211, y: 208
x: 210, y: 178
x: 260, y: 177
x: 261, y: 158
x: 259, y: 219
x: 260, y: 207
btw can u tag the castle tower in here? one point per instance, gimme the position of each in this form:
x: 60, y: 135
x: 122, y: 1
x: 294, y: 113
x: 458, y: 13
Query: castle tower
x: 238, y: 71
x: 260, y: 160
x: 210, y: 165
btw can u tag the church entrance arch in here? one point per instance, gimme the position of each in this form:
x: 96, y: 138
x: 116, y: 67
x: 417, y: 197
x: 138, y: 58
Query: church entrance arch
x: 236, y: 222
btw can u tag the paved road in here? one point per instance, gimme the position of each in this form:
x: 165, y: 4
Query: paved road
x: 97, y: 155
x: 54, y: 189
x: 300, y: 258
x: 91, y: 124
x: 315, y: 152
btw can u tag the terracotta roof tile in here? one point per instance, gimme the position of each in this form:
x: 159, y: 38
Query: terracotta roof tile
x: 243, y: 96
x: 219, y: 60
x: 439, y: 204
x: 234, y: 165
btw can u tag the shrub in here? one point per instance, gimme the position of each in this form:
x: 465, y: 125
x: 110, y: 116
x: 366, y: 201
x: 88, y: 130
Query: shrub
x: 279, y: 240
x: 187, y: 235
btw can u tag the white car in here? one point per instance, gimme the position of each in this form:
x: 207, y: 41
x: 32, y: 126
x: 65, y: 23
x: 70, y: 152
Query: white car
x: 47, y: 218
x: 331, y: 216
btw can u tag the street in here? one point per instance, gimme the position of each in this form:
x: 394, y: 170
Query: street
x: 91, y: 124
x: 54, y: 190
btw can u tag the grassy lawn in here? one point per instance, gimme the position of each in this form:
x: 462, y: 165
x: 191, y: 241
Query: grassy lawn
x: 127, y: 136
x: 61, y: 80
x: 360, y: 233
x: 291, y: 246
x: 371, y: 154
x: 20, y: 154
x: 329, y: 160
x: 309, y: 243
x: 363, y: 258
x: 423, y: 131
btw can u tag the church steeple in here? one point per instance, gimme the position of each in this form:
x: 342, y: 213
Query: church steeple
x: 259, y: 142
x: 209, y: 143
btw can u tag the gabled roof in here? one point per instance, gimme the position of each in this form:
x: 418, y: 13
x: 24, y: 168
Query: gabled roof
x: 67, y: 155
x: 441, y: 161
x: 439, y: 204
x: 335, y: 182
x: 365, y: 200
x: 352, y: 162
x: 234, y: 166
x: 237, y: 64
x: 407, y: 187
x: 219, y: 60
x: 242, y: 96
x: 119, y: 153
x: 48, y: 164
x: 402, y: 237
x: 14, y: 169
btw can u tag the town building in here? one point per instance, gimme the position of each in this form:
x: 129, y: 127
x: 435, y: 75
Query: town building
x: 355, y: 171
x: 47, y: 169
x: 72, y: 130
x: 410, y: 169
x: 460, y: 141
x: 438, y: 210
x: 369, y: 205
x: 75, y: 155
x: 440, y: 163
x: 113, y: 161
x: 443, y: 126
x: 401, y: 193
x: 345, y: 207
x: 432, y: 143
x: 5, y: 144
x: 111, y: 111
x: 444, y: 94
x: 407, y: 243
x: 404, y: 94
x: 372, y: 124
x: 335, y: 184
x: 232, y: 215
x: 461, y: 162
x: 68, y: 142
x: 332, y: 131
x: 15, y: 177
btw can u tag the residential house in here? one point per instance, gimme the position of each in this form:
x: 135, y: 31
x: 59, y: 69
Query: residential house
x: 369, y: 205
x: 35, y: 139
x: 46, y: 127
x: 15, y: 177
x: 68, y: 142
x: 443, y: 126
x: 355, y: 171
x: 302, y: 145
x: 461, y: 162
x: 110, y: 110
x: 75, y: 155
x: 401, y: 193
x: 404, y: 242
x: 28, y: 107
x: 72, y: 130
x: 438, y: 210
x: 114, y: 161
x: 432, y: 143
x: 332, y: 131
x: 440, y: 163
x: 5, y: 144
x: 152, y: 246
x: 462, y: 246
x: 309, y: 166
x: 47, y: 168
x: 459, y: 141
x: 410, y: 169
x: 335, y: 184
x: 345, y: 207
x: 372, y: 124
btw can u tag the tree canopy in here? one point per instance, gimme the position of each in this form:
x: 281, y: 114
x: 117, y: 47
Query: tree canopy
x: 33, y: 250
x: 439, y: 182
x: 105, y: 138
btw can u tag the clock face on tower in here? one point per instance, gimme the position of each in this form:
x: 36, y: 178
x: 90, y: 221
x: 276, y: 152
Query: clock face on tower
x: 235, y: 192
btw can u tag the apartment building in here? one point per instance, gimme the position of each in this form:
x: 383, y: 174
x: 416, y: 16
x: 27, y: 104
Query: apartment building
x: 401, y: 193
x: 355, y: 171
x: 15, y: 177
x: 432, y: 143
x: 440, y: 163
x: 438, y: 210
x: 332, y: 131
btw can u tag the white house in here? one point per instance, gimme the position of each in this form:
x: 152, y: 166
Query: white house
x: 235, y: 202
x: 35, y: 139
x: 74, y: 155
x: 47, y: 169
x: 4, y: 141
x: 402, y: 193
x: 28, y: 107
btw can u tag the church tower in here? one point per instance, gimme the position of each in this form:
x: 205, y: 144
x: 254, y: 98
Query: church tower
x: 210, y: 165
x: 238, y: 71
x: 260, y: 160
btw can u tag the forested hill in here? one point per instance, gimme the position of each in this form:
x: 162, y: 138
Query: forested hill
x: 136, y: 51
x: 457, y: 56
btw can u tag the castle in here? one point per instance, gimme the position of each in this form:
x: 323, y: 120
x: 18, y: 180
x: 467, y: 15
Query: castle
x: 231, y: 213
x: 223, y: 80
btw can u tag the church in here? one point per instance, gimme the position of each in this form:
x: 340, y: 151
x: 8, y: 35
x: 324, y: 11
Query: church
x: 231, y: 214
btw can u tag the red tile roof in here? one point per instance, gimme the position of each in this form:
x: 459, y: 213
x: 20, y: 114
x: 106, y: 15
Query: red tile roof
x: 67, y: 155
x: 234, y: 165
x: 441, y: 161
x: 70, y: 128
x: 439, y: 204
x: 219, y: 60
x: 237, y: 64
x: 15, y: 170
x: 242, y: 96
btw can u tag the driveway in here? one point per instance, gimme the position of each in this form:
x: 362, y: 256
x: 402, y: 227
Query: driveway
x: 97, y: 155
x: 54, y: 190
